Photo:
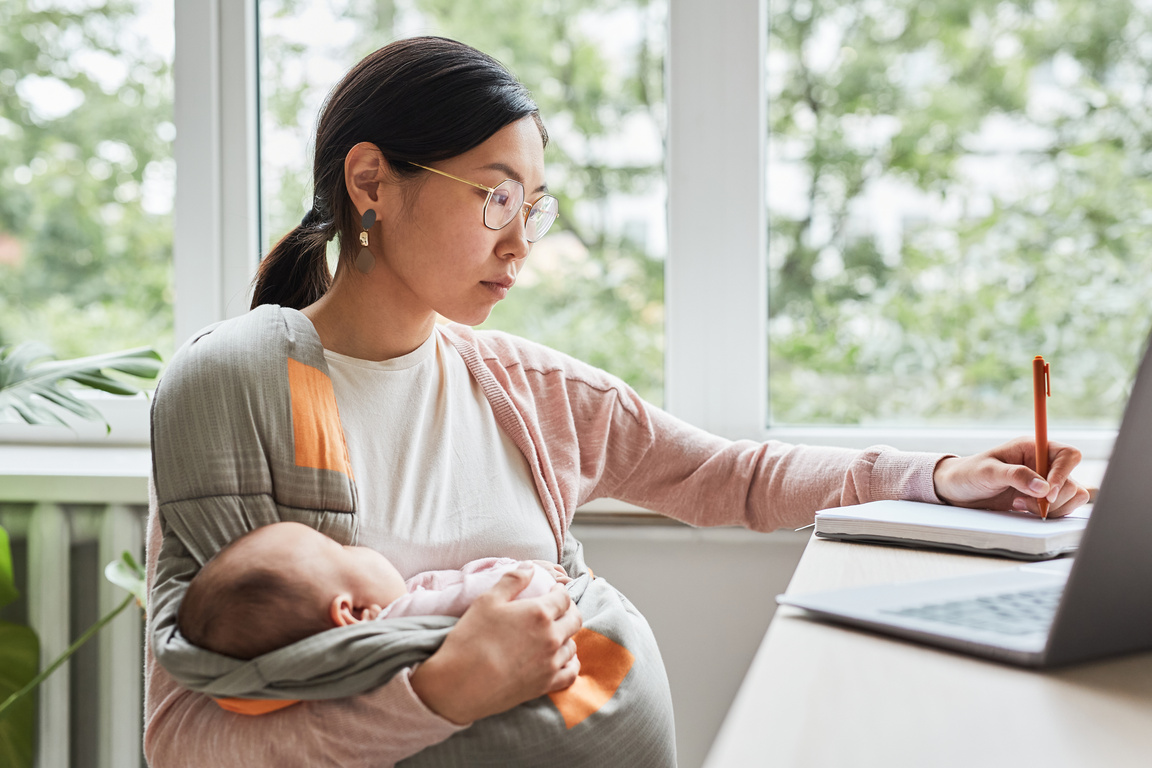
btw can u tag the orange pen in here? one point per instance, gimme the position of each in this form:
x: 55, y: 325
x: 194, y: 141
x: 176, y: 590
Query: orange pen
x: 1041, y: 391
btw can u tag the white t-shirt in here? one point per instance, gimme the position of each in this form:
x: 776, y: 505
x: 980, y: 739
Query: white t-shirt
x: 439, y: 484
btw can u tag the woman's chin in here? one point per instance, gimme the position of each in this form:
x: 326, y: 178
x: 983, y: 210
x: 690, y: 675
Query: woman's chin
x: 470, y: 316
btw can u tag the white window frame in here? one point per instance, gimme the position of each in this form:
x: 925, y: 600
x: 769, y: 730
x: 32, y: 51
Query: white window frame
x: 715, y: 292
x: 716, y: 298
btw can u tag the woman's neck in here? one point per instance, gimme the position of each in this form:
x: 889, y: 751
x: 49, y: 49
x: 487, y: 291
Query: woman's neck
x: 360, y: 318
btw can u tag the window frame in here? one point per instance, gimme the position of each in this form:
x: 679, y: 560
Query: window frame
x: 716, y: 298
x: 716, y: 287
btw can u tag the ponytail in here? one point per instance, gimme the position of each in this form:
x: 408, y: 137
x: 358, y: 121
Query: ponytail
x: 295, y: 272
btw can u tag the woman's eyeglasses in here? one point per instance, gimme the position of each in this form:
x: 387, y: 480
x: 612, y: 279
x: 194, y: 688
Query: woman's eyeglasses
x: 505, y: 200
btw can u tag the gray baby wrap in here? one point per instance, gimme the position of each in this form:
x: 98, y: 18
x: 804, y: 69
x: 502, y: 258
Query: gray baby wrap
x: 246, y: 433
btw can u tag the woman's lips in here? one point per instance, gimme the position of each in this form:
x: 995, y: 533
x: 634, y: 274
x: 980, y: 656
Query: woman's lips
x: 500, y: 289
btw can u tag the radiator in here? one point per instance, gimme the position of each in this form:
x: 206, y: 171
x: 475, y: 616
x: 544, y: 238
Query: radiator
x: 90, y: 708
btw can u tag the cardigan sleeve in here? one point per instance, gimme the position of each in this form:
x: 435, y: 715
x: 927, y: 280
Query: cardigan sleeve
x: 657, y: 461
x: 590, y: 436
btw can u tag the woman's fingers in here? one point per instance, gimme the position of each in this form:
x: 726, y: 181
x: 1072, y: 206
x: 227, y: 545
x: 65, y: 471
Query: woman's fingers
x: 1062, y: 459
x: 1005, y: 477
x: 568, y: 673
x: 569, y: 621
x: 512, y: 583
x: 1071, y: 497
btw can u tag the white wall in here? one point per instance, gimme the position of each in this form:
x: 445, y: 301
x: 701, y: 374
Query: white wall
x: 709, y: 595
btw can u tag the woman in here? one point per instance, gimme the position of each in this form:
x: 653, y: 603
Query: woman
x: 455, y: 444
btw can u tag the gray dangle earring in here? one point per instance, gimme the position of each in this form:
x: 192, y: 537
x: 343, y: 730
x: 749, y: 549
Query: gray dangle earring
x: 365, y: 261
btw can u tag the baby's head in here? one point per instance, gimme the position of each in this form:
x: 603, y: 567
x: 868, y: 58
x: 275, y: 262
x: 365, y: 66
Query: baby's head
x: 279, y: 584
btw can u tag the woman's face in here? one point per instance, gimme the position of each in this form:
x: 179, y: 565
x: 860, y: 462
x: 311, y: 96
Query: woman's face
x: 435, y: 245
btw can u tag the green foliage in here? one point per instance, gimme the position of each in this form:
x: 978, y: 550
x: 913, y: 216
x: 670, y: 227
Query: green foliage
x: 1003, y: 252
x: 85, y: 179
x: 20, y: 657
x: 995, y: 248
x: 27, y: 387
x: 19, y: 660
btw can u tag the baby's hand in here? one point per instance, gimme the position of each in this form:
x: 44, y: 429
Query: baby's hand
x: 555, y: 569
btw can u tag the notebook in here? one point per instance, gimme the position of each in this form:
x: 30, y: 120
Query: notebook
x: 913, y: 524
x: 1040, y: 614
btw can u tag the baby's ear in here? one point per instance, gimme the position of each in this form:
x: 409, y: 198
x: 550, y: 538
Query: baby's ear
x: 342, y: 611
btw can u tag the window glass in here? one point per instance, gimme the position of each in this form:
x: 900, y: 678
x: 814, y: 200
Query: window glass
x: 87, y: 179
x: 593, y: 287
x: 955, y: 186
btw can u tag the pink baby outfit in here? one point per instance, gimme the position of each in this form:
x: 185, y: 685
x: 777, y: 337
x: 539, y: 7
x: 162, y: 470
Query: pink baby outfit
x: 449, y: 593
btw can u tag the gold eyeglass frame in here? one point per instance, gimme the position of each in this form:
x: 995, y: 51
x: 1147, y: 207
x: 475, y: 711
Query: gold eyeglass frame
x: 491, y: 191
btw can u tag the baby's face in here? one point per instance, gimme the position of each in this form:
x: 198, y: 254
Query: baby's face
x: 363, y: 573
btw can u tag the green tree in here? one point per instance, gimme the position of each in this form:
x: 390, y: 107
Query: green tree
x: 1019, y: 134
x: 85, y: 145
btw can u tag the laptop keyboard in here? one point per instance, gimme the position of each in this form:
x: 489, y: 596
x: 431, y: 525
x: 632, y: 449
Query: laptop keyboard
x: 1010, y: 613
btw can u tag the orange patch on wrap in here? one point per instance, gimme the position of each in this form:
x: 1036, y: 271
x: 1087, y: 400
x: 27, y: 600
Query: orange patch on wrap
x: 316, y: 429
x: 604, y: 664
x: 255, y: 706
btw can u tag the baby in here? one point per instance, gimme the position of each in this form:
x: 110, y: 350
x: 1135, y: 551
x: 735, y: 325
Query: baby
x: 285, y: 582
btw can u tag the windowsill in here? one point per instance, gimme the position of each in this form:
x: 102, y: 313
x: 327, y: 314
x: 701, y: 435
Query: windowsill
x: 109, y: 474
x: 77, y: 474
x: 118, y: 474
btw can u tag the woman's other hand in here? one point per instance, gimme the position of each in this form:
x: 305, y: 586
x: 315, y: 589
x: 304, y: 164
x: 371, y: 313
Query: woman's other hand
x: 502, y: 652
x: 1004, y: 478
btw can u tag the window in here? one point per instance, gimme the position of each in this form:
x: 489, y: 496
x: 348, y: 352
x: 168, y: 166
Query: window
x: 594, y: 286
x: 690, y: 89
x: 86, y: 175
x: 954, y: 187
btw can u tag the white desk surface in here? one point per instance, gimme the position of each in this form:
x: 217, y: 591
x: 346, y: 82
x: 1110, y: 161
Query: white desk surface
x: 820, y: 695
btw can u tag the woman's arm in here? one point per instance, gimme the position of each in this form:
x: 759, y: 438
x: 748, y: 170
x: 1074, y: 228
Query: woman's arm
x: 184, y: 728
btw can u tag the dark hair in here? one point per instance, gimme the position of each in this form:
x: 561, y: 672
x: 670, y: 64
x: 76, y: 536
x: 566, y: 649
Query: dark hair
x: 418, y: 100
x: 247, y: 611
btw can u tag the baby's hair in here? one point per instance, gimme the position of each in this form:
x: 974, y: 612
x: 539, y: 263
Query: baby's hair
x: 243, y: 608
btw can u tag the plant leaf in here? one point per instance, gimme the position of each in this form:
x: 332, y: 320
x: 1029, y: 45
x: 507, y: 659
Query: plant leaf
x: 15, y: 359
x: 70, y: 402
x: 19, y: 662
x: 8, y: 591
x: 127, y: 574
x: 25, y: 385
x: 104, y: 383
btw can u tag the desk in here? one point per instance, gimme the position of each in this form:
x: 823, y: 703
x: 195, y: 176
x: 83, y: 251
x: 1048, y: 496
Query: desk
x: 820, y: 695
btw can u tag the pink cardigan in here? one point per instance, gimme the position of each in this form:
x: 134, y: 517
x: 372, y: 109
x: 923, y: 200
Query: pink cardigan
x: 585, y: 435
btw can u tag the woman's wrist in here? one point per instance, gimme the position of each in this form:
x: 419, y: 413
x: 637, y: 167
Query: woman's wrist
x: 434, y: 683
x: 941, y: 477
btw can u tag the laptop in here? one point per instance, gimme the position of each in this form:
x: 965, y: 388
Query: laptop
x: 1097, y: 604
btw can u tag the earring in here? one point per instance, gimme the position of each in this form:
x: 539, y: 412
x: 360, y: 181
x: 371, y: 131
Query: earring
x: 365, y: 261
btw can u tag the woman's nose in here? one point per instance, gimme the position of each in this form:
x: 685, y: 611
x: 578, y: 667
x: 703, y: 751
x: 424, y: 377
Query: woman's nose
x: 514, y: 241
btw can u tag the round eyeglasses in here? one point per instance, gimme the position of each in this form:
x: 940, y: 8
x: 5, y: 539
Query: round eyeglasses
x: 505, y: 200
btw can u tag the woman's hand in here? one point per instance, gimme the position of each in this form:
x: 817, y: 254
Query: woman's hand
x: 1004, y: 478
x: 556, y: 570
x: 502, y: 652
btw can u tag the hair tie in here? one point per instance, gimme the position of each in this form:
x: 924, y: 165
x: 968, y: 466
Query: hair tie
x: 311, y: 218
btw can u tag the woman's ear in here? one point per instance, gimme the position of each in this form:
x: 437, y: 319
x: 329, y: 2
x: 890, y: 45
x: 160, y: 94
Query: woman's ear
x: 364, y: 171
x: 343, y: 612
